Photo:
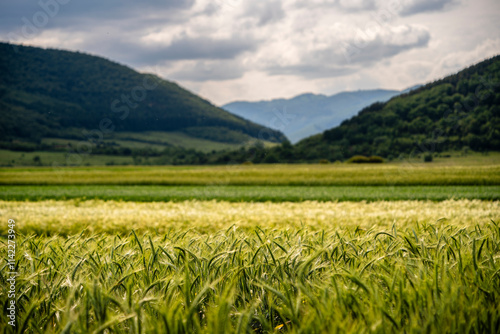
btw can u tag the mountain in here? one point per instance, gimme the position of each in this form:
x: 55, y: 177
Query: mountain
x: 459, y: 112
x: 308, y: 114
x: 47, y: 93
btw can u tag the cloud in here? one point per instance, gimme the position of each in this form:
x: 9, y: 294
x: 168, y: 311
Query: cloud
x: 91, y: 9
x: 341, y: 51
x: 265, y: 12
x: 207, y: 48
x: 456, y: 61
x: 384, y: 42
x: 345, y: 5
x: 398, y: 7
x: 356, y: 5
x: 412, y: 7
x: 200, y: 71
x: 313, y: 71
x: 131, y: 50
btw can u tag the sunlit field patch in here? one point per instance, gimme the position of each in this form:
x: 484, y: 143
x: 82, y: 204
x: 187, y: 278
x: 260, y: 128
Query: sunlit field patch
x: 72, y: 216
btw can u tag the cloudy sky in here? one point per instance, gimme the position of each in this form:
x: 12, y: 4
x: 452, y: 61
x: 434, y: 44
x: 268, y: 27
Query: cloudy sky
x: 227, y: 50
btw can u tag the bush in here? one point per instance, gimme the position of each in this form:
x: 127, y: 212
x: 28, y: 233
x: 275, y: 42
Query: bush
x: 271, y: 159
x: 360, y: 159
x: 247, y: 163
x: 37, y: 160
x: 374, y: 159
x: 428, y: 158
x: 324, y: 162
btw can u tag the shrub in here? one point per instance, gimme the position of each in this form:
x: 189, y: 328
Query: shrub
x: 247, y: 163
x: 271, y: 159
x: 360, y: 159
x: 428, y: 157
x: 376, y: 159
x: 324, y: 162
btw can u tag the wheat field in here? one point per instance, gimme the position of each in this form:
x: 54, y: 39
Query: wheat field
x: 97, y: 216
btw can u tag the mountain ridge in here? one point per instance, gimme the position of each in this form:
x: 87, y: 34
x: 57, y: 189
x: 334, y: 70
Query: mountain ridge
x: 59, y: 93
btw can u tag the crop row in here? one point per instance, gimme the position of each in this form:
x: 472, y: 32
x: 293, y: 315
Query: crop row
x: 154, y: 193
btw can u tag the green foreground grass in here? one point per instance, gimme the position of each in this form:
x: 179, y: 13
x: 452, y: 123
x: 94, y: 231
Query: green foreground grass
x: 419, y: 278
x: 248, y: 193
x: 306, y: 175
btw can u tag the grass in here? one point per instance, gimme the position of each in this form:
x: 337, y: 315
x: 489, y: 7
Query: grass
x: 247, y: 193
x: 159, y: 140
x: 178, y: 139
x: 306, y: 175
x: 425, y: 277
x: 462, y: 158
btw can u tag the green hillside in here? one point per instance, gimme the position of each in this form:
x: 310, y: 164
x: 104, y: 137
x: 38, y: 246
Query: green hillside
x: 459, y: 112
x: 48, y: 93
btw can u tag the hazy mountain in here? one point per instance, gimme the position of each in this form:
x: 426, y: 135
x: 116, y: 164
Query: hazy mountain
x: 59, y: 94
x: 308, y: 114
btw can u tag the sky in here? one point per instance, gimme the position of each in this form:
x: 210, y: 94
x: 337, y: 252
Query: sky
x: 233, y: 50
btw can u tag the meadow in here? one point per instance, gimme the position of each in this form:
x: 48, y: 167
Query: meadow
x: 390, y: 248
x: 306, y: 175
x: 231, y: 193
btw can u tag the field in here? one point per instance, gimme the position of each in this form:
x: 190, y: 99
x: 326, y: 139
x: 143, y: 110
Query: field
x: 154, y: 193
x: 254, y: 249
x: 151, y: 141
x: 73, y: 216
x: 306, y: 175
x: 436, y: 276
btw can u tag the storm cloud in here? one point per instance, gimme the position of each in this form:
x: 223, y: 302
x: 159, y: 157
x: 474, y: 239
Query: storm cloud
x: 252, y: 49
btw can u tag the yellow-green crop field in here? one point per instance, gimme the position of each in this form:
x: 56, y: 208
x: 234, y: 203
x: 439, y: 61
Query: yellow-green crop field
x: 119, y: 262
x: 307, y: 175
x: 205, y: 217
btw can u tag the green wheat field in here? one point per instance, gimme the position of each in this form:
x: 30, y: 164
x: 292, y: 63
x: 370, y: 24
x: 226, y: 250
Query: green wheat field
x: 254, y: 249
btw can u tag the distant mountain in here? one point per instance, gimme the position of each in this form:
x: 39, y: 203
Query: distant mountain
x: 461, y: 111
x: 308, y: 114
x: 46, y: 93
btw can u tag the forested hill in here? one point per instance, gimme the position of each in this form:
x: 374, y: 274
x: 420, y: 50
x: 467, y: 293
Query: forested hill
x: 457, y: 112
x: 54, y: 93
